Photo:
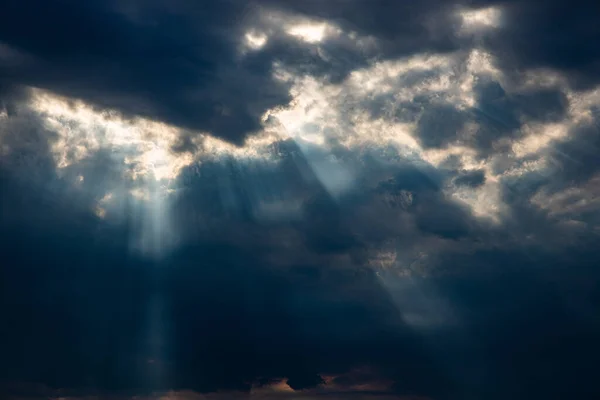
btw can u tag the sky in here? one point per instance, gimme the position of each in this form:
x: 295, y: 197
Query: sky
x: 285, y: 200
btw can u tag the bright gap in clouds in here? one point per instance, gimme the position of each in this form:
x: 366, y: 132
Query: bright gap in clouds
x: 140, y: 155
x: 142, y: 144
x: 321, y: 116
x: 309, y: 32
x: 256, y: 40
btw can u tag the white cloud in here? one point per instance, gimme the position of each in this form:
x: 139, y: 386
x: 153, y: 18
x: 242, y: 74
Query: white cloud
x: 475, y: 20
x: 311, y: 33
x: 81, y: 130
x: 255, y: 40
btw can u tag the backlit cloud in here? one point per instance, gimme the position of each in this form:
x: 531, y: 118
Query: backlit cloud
x: 299, y: 200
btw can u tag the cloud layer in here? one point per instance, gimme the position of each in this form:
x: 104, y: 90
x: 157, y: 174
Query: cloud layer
x: 290, y: 200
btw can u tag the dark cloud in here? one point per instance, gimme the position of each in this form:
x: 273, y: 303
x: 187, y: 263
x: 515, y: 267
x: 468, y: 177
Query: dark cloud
x: 10, y: 98
x: 305, y: 382
x: 470, y: 178
x: 214, y: 315
x: 576, y: 157
x: 497, y: 114
x: 404, y: 28
x: 388, y: 287
x: 177, y: 63
x: 501, y: 114
x: 331, y: 61
x: 439, y: 125
x: 82, y: 312
x: 528, y: 38
x: 180, y: 63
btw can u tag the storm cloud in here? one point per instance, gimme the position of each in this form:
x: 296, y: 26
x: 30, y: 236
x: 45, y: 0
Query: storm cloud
x: 292, y: 200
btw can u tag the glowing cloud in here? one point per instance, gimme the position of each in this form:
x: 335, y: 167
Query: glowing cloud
x: 144, y: 144
x: 256, y: 41
x: 140, y: 152
x: 311, y: 33
x: 484, y: 18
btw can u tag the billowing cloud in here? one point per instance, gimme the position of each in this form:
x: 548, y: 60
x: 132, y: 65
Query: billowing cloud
x: 294, y: 200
